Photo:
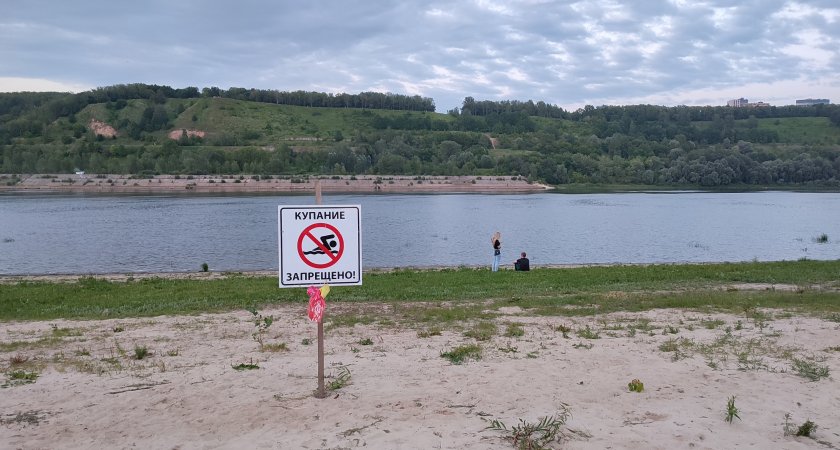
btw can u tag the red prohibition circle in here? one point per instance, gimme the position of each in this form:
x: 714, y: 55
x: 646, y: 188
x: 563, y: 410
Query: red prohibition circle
x: 307, y: 232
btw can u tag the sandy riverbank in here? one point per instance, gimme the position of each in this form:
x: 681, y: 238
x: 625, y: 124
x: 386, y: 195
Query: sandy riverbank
x: 94, y: 183
x: 92, y: 391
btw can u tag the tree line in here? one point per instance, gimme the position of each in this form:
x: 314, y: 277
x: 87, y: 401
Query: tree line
x: 451, y: 153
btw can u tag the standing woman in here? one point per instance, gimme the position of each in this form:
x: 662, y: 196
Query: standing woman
x: 497, y: 250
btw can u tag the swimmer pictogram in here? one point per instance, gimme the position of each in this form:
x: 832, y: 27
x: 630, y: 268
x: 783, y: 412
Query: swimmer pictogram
x: 320, y: 245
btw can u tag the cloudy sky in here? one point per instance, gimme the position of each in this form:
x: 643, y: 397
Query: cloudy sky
x: 666, y: 52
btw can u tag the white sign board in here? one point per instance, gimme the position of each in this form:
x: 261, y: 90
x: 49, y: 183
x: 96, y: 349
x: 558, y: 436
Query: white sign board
x: 320, y: 244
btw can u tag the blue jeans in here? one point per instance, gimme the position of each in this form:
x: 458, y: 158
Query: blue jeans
x: 496, y: 260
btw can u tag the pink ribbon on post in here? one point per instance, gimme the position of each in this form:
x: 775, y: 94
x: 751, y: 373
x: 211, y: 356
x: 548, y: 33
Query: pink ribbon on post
x: 317, y: 304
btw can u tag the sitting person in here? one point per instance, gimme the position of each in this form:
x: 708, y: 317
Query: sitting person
x: 522, y: 263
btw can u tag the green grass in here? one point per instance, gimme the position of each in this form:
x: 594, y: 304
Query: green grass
x: 809, y: 369
x: 450, y: 296
x: 482, y: 331
x: 802, y: 130
x: 245, y: 366
x: 460, y: 354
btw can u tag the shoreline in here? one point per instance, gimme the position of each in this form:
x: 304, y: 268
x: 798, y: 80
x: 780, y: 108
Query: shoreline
x: 217, y: 275
x: 222, y: 274
x: 225, y: 184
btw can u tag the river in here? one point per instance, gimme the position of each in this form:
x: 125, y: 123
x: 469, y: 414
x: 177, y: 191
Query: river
x: 84, y: 234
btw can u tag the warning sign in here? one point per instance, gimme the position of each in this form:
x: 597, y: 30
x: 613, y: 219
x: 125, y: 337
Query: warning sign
x: 320, y: 244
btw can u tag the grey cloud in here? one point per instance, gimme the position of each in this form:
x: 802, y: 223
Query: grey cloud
x: 396, y: 46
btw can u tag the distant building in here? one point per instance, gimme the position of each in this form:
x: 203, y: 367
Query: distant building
x: 738, y: 103
x: 812, y: 102
x: 757, y: 105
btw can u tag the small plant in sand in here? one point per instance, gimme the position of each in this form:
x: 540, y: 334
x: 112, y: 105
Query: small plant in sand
x: 482, y: 331
x: 64, y: 332
x: 19, y: 377
x: 140, y: 351
x: 275, y: 347
x: 806, y: 429
x: 460, y: 354
x: 588, y: 333
x: 636, y: 385
x: 712, y: 324
x: 514, y: 330
x: 809, y: 370
x: 434, y: 331
x: 535, y: 435
x: 670, y: 330
x: 306, y: 341
x: 509, y: 349
x: 341, y: 379
x: 564, y: 329
x: 246, y: 366
x: 365, y: 341
x: 18, y: 359
x: 262, y: 324
x: 731, y: 410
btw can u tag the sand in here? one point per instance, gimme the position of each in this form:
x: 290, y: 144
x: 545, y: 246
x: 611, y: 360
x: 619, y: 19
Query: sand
x: 209, y: 184
x: 92, y: 393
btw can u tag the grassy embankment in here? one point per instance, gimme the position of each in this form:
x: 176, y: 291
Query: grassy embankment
x: 439, y: 297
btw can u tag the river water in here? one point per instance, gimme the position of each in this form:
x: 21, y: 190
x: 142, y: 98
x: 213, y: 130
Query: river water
x: 80, y: 234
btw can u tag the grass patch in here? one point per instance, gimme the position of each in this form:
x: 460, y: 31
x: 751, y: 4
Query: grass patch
x: 19, y: 377
x: 274, y: 347
x: 433, y: 331
x: 533, y: 435
x: 245, y: 366
x: 448, y: 296
x: 482, y: 331
x: 514, y: 330
x: 340, y: 380
x: 588, y: 333
x: 64, y: 332
x: 140, y: 352
x: 712, y: 324
x: 460, y: 354
x: 809, y: 370
x: 348, y: 320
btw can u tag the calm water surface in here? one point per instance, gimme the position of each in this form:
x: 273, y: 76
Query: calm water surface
x: 43, y: 234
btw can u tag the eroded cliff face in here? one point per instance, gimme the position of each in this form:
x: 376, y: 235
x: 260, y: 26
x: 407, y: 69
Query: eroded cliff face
x: 101, y: 128
x: 176, y: 134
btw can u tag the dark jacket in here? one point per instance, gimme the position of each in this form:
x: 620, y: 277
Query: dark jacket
x: 522, y: 264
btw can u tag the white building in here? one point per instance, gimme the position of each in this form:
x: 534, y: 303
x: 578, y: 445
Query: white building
x: 738, y: 102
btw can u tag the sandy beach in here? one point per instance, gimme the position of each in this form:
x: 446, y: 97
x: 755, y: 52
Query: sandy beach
x: 93, y: 392
x: 209, y: 184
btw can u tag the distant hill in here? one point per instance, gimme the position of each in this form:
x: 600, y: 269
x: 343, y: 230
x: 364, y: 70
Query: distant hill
x: 147, y: 129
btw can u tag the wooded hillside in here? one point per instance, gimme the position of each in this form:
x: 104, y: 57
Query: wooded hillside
x: 146, y: 129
